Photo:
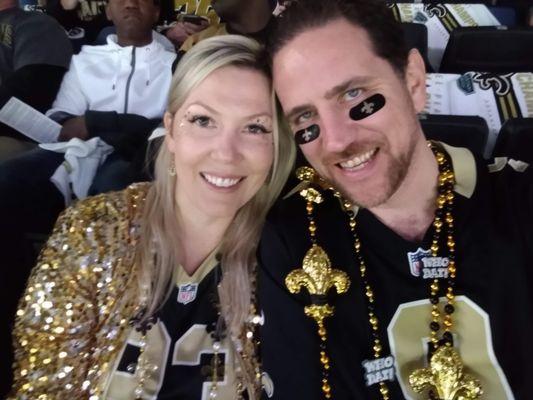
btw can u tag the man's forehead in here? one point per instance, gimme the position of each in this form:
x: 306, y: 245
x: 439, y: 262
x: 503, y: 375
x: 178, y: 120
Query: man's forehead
x: 316, y: 61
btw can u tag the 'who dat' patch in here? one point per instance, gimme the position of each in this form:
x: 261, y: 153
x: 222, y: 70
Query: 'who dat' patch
x: 423, y: 265
x: 379, y: 370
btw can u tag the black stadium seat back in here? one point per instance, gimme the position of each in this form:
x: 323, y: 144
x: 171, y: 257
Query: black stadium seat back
x: 416, y: 36
x: 515, y: 140
x: 489, y: 49
x: 456, y: 130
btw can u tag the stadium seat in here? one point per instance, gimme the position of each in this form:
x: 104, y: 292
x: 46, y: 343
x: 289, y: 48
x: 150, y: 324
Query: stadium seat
x: 489, y: 49
x: 460, y: 131
x: 416, y: 36
x: 506, y: 15
x: 515, y: 140
x: 521, y: 6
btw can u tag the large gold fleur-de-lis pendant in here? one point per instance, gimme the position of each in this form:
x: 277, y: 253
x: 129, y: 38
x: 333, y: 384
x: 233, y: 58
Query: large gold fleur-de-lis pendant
x: 445, y: 375
x: 317, y: 276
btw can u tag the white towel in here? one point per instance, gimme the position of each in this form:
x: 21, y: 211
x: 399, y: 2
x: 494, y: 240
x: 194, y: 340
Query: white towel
x: 82, y: 158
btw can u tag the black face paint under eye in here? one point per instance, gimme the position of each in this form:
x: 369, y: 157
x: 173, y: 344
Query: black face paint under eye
x: 367, y: 107
x: 307, y: 135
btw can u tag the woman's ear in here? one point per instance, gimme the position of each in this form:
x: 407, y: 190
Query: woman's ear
x: 415, y: 79
x: 168, y: 118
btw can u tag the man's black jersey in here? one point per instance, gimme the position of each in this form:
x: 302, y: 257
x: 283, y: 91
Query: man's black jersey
x: 493, y: 318
x: 179, y: 346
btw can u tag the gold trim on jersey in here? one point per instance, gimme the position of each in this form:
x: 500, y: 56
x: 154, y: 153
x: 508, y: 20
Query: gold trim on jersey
x: 210, y: 262
x: 464, y: 166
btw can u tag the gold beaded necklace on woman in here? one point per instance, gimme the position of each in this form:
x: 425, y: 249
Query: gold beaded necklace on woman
x: 444, y: 376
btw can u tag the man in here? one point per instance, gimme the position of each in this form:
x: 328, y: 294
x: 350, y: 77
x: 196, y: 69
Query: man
x: 116, y: 92
x: 34, y: 55
x: 428, y: 271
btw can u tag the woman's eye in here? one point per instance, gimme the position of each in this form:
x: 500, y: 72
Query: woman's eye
x: 201, y: 120
x: 351, y: 94
x: 256, y: 128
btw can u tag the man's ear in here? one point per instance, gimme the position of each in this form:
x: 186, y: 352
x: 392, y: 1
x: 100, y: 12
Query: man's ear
x: 415, y: 79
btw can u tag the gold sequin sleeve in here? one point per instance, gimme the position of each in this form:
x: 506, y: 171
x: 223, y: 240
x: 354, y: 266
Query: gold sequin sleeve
x: 74, y: 314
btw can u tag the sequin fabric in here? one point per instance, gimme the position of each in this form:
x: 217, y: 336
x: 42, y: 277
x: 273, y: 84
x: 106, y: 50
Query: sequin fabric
x: 73, y: 317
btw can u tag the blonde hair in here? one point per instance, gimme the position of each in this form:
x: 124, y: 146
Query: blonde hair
x: 157, y: 254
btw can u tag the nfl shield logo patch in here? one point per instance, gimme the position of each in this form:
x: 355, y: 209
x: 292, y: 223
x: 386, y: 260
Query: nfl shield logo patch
x: 415, y: 260
x: 187, y: 293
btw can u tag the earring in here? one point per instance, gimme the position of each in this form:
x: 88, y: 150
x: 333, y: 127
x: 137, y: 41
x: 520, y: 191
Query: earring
x: 172, y: 169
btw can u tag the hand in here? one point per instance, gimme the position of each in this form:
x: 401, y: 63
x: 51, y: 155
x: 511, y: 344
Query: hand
x: 180, y: 31
x: 69, y: 4
x: 73, y: 128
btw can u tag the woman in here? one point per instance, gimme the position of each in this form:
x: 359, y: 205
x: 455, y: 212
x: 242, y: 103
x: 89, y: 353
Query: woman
x: 148, y: 293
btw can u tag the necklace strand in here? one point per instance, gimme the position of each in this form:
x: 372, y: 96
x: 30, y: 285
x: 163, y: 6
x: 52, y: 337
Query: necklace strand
x: 443, y: 217
x: 444, y: 205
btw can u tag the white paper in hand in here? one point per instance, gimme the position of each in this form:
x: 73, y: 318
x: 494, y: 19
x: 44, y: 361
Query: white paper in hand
x: 27, y: 120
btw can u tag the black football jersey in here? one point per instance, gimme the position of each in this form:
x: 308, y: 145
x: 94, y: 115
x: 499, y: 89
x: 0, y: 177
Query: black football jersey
x: 179, y: 346
x: 493, y: 318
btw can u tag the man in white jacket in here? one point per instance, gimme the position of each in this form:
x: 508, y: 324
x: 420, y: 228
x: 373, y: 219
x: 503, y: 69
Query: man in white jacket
x: 129, y: 75
x: 116, y: 92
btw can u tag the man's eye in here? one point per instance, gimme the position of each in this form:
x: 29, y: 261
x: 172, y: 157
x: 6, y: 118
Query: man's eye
x: 304, y: 117
x: 200, y: 120
x: 351, y: 94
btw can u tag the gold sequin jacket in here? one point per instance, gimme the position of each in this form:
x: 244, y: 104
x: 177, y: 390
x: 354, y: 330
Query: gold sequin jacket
x: 75, y: 313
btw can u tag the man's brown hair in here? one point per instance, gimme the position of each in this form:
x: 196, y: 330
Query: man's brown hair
x: 385, y: 33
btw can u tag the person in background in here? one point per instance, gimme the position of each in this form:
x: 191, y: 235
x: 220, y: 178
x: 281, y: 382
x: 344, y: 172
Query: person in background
x: 182, y: 18
x: 149, y: 292
x: 114, y: 92
x: 83, y: 20
x: 192, y: 21
x: 34, y: 56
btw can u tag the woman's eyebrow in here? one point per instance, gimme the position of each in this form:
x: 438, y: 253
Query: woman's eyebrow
x: 208, y: 108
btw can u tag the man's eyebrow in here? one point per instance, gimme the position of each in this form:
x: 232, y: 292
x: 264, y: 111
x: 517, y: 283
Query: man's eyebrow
x: 342, y: 87
x: 334, y: 91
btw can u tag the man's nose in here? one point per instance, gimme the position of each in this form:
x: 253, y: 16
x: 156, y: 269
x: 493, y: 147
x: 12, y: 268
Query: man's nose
x: 336, y: 131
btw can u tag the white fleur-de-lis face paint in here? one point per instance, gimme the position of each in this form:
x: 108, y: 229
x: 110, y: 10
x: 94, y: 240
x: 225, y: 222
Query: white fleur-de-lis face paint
x: 367, y: 107
x: 307, y: 135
